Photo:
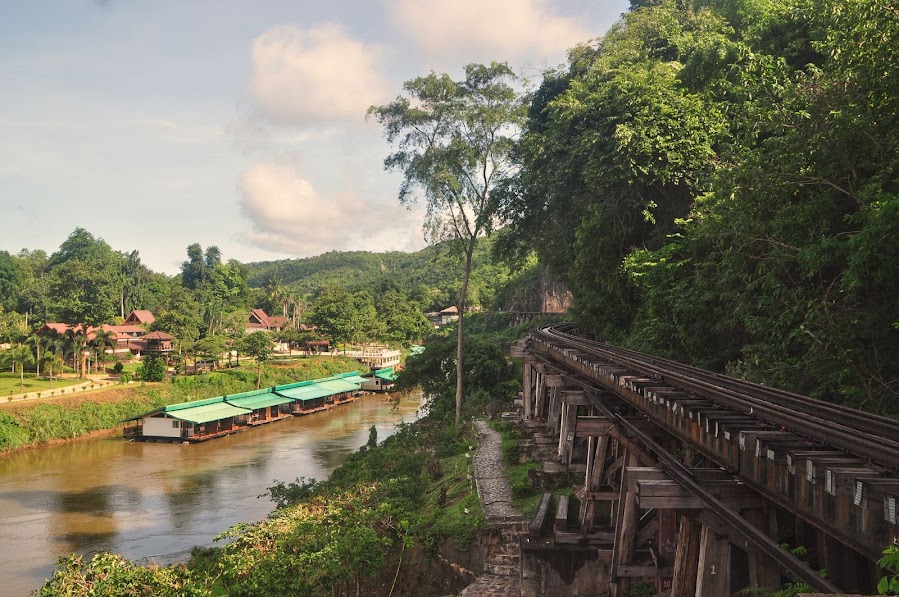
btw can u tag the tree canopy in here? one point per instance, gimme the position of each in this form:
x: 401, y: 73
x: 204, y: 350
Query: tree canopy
x: 454, y: 142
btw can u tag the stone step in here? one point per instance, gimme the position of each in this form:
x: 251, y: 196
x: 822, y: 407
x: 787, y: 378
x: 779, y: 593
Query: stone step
x: 501, y: 570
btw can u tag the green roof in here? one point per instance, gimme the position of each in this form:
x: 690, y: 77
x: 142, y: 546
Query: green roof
x: 387, y: 373
x: 417, y: 349
x: 336, y: 386
x: 222, y: 407
x: 259, y: 400
x: 354, y: 379
x: 208, y: 412
x: 310, y: 392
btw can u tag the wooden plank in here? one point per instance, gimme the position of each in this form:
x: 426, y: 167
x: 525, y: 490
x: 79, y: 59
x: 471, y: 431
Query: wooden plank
x: 537, y: 523
x: 561, y: 522
x: 643, y: 572
x: 648, y: 532
x: 686, y: 561
x: 841, y: 481
x: 578, y: 538
x: 593, y: 426
x: 874, y: 489
x: 625, y: 532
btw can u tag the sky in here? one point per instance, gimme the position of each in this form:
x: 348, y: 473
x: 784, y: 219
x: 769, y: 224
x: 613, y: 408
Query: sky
x: 239, y: 124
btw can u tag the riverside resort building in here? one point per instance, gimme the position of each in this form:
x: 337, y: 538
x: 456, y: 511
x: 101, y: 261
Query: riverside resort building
x: 201, y: 420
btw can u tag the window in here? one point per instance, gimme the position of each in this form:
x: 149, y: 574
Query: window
x: 176, y: 424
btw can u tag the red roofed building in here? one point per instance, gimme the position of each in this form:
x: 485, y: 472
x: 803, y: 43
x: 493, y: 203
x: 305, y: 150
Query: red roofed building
x: 158, y: 343
x: 139, y: 317
x: 259, y: 321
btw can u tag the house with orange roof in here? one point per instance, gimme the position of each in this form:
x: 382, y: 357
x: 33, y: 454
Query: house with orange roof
x: 259, y: 321
x: 139, y: 317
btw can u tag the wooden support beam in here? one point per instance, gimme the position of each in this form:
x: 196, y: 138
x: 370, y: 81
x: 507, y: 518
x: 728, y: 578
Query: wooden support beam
x: 713, y: 571
x: 764, y: 573
x: 527, y: 395
x: 561, y: 523
x: 643, y: 571
x: 841, y: 481
x: 670, y: 494
x: 593, y: 426
x: 648, y: 532
x: 643, y: 457
x: 535, y: 529
x: 686, y: 560
x: 578, y: 538
x: 554, y: 381
x: 625, y: 533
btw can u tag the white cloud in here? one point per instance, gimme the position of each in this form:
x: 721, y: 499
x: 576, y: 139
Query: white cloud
x: 289, y: 215
x: 305, y: 76
x: 474, y: 30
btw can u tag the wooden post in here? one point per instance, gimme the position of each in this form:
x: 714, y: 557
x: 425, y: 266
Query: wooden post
x: 763, y: 571
x: 686, y: 561
x: 667, y: 542
x: 713, y: 573
x: 540, y: 388
x: 563, y: 432
x: 596, y: 461
x: 527, y: 396
x: 625, y: 532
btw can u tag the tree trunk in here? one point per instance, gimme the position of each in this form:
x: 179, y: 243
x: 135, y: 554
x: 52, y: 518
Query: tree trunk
x: 459, y: 336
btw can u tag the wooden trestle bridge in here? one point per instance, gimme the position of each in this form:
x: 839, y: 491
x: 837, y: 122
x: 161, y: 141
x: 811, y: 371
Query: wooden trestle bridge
x: 695, y: 481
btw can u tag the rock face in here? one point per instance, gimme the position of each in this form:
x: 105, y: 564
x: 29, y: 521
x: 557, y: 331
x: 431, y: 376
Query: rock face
x: 554, y: 294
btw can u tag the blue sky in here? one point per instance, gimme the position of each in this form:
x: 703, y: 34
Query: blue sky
x: 158, y: 124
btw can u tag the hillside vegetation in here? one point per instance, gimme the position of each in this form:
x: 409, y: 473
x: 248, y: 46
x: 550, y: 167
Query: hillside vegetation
x: 718, y: 181
x: 433, y: 274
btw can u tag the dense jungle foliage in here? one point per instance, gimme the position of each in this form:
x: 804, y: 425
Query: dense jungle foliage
x: 716, y: 180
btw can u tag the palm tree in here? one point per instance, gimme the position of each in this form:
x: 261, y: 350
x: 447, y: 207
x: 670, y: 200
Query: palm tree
x: 52, y: 362
x: 75, y: 343
x: 18, y: 357
x: 39, y: 343
x: 101, y: 341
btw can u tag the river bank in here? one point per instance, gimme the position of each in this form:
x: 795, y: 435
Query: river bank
x: 41, y: 421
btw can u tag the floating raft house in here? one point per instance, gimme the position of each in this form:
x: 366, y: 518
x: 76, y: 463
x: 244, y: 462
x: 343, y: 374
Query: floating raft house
x: 381, y: 380
x: 201, y: 420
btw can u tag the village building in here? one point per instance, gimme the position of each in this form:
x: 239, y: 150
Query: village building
x: 448, y: 315
x: 140, y: 317
x: 259, y: 321
x: 201, y: 420
x: 376, y: 356
x: 381, y: 380
x: 158, y: 344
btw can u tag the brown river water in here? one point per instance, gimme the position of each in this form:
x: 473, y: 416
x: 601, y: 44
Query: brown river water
x: 157, y: 501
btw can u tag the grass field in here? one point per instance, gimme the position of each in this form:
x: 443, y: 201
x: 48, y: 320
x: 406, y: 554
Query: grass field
x: 9, y: 384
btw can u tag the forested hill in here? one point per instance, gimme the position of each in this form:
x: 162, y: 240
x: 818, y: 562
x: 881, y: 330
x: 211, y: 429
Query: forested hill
x: 436, y: 270
x: 718, y: 181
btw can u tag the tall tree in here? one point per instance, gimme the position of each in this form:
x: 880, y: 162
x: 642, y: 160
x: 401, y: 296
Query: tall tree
x: 259, y: 346
x: 17, y: 357
x: 454, y: 142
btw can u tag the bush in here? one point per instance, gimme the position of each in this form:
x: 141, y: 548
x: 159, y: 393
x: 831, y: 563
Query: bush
x: 152, y: 369
x: 117, y: 368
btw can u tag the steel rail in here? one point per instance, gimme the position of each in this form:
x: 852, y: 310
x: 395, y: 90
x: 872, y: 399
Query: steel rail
x: 866, y: 422
x: 805, y: 419
x: 771, y: 548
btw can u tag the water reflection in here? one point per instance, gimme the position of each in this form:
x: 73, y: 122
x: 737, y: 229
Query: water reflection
x: 157, y: 501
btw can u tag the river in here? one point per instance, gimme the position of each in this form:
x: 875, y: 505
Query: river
x: 157, y: 501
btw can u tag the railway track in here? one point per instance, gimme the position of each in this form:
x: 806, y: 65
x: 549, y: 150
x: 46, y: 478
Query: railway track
x: 868, y: 436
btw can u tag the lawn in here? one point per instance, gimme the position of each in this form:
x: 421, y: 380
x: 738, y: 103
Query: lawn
x: 9, y: 384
